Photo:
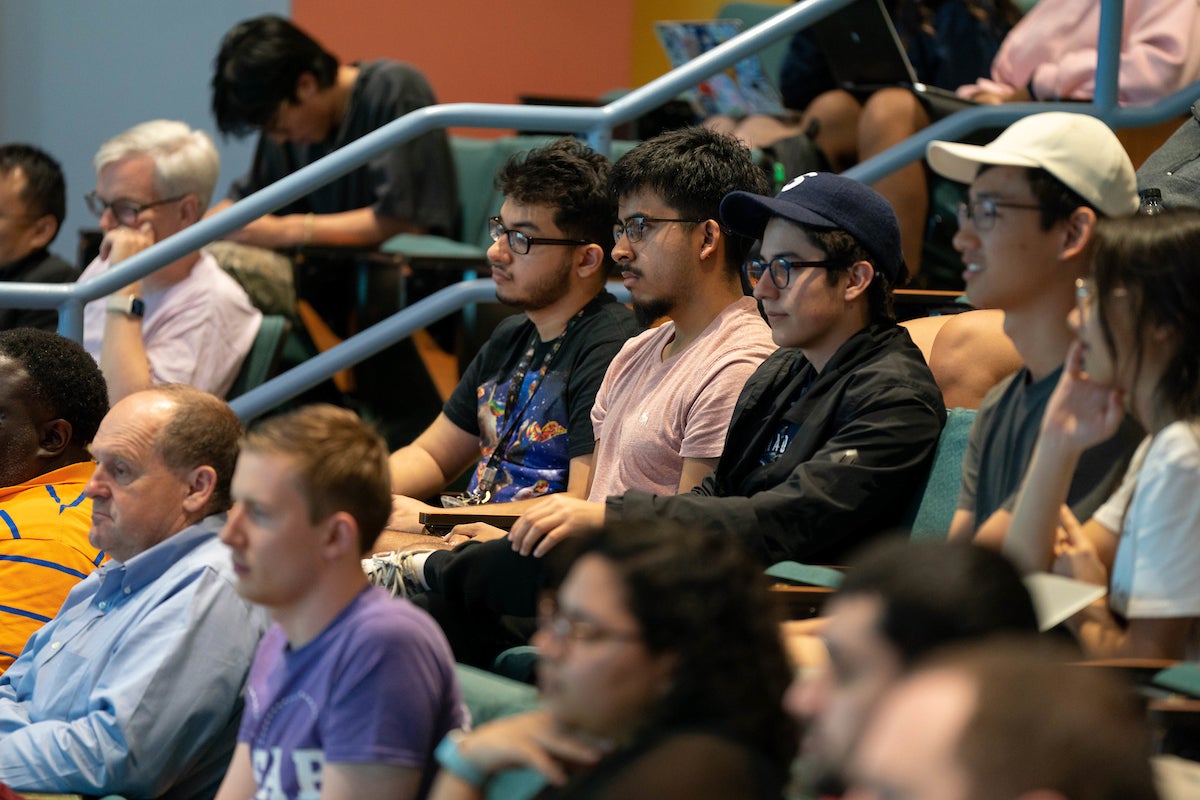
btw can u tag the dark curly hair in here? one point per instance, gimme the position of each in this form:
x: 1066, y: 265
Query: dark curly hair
x: 696, y: 594
x: 64, y: 380
x: 571, y: 178
x: 692, y: 169
x: 1154, y: 260
x: 257, y: 67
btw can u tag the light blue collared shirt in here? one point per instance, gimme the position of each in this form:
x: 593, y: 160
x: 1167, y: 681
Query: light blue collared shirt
x: 134, y: 687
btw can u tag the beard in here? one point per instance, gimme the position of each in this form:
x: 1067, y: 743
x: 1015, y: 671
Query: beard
x: 650, y: 310
x: 547, y: 290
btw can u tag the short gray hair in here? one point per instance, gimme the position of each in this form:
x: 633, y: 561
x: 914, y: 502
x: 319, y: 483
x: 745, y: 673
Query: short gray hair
x: 185, y: 160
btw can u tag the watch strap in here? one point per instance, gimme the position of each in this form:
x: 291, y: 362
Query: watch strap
x: 129, y: 304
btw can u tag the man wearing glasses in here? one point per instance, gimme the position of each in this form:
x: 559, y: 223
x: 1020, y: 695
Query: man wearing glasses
x: 1035, y: 194
x: 833, y: 434
x: 520, y: 415
x: 189, y: 322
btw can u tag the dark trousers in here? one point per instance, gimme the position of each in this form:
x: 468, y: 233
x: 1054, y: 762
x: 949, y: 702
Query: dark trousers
x: 485, y: 598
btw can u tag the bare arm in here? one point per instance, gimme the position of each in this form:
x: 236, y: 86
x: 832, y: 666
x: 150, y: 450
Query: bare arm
x: 123, y: 358
x: 695, y: 470
x: 358, y: 228
x: 1080, y: 414
x: 962, y: 526
x: 439, y: 455
x: 1102, y: 636
x: 239, y: 781
x: 369, y: 782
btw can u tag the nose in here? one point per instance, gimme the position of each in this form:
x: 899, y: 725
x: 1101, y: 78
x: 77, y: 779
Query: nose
x: 966, y: 237
x: 95, y: 486
x: 109, y: 221
x: 765, y: 288
x: 232, y: 528
x: 499, y: 253
x: 621, y: 251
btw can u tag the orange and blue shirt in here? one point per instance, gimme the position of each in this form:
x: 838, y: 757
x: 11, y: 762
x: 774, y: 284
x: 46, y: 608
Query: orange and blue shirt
x: 44, y: 551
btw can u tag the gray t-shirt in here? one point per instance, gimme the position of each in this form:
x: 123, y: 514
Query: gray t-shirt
x: 1001, y: 446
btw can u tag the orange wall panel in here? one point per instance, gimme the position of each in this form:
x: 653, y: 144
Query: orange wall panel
x: 490, y: 52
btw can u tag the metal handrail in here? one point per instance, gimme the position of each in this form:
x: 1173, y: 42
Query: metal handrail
x: 597, y: 124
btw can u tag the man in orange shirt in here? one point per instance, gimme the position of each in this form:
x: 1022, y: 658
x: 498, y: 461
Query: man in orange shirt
x: 52, y: 398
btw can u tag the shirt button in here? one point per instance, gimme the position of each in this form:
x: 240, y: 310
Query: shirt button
x: 128, y: 590
x: 103, y: 604
x: 55, y: 645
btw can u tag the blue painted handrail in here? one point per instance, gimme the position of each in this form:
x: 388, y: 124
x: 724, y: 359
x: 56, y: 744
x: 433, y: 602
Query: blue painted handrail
x: 597, y: 125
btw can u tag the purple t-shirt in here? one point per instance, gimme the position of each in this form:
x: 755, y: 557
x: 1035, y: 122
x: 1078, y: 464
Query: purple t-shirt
x: 376, y: 686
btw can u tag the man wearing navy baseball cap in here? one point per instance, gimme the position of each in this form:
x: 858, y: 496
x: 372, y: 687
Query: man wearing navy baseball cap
x: 833, y: 434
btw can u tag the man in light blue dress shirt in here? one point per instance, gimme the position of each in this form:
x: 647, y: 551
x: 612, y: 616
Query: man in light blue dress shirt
x: 134, y: 687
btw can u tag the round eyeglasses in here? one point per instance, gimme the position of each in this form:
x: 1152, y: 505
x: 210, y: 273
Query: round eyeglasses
x: 565, y: 627
x: 520, y: 242
x: 635, y: 228
x: 780, y: 269
x: 125, y: 211
x: 982, y: 212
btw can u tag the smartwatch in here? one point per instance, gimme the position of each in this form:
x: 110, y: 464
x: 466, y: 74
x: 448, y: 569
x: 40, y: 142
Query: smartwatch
x: 129, y: 304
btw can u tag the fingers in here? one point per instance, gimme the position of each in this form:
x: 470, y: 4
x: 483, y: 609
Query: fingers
x: 1074, y: 363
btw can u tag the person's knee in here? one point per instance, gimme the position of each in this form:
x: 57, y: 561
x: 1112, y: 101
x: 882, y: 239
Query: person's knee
x: 891, y: 114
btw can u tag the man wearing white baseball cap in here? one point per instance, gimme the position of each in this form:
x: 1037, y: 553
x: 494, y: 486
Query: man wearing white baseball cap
x: 1035, y: 195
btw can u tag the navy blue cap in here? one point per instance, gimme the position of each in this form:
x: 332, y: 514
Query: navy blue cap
x: 824, y: 201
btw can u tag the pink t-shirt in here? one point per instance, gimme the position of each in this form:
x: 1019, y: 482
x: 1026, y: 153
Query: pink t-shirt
x: 1054, y: 48
x: 197, y: 331
x: 651, y: 414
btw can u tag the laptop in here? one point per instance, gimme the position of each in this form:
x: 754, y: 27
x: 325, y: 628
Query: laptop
x: 743, y: 90
x: 864, y: 52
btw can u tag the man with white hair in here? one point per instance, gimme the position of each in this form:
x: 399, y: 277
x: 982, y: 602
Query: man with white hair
x: 189, y: 322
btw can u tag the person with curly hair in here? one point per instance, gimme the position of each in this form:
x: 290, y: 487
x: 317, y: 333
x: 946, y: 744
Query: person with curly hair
x: 662, y: 675
x: 53, y: 398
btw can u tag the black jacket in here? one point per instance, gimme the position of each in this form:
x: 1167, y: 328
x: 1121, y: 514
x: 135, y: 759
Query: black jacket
x: 868, y: 428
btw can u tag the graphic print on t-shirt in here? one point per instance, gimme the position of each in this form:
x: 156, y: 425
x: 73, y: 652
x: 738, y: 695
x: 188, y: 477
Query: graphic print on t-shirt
x: 535, y: 459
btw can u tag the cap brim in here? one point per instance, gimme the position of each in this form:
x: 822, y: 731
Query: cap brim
x: 747, y: 214
x: 961, y: 162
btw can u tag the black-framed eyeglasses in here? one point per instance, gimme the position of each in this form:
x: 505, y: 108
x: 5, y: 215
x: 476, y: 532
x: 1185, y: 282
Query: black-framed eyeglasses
x: 125, y: 211
x: 982, y: 212
x: 520, y: 242
x: 634, y: 228
x: 780, y: 269
x: 565, y: 627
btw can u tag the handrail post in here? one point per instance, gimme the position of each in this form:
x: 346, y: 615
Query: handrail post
x: 1108, y: 57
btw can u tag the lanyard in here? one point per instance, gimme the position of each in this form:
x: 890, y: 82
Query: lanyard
x: 513, y: 416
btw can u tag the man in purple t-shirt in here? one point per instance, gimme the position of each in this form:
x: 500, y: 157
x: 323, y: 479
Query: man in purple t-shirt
x: 350, y: 690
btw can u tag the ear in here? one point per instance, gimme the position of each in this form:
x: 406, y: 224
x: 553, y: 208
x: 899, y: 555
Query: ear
x: 201, y: 484
x: 711, y: 244
x: 589, y: 260
x: 306, y: 87
x: 860, y: 275
x: 341, y: 537
x: 189, y: 209
x: 43, y: 231
x: 53, y: 438
x: 1077, y: 233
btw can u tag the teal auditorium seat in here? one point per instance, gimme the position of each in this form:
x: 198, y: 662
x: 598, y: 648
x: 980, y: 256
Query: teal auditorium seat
x: 476, y: 162
x: 930, y: 515
x: 490, y: 697
x: 262, y: 362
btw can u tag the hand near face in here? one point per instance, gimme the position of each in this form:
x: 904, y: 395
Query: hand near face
x: 120, y: 243
x: 552, y: 520
x: 1081, y: 413
x: 530, y: 740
